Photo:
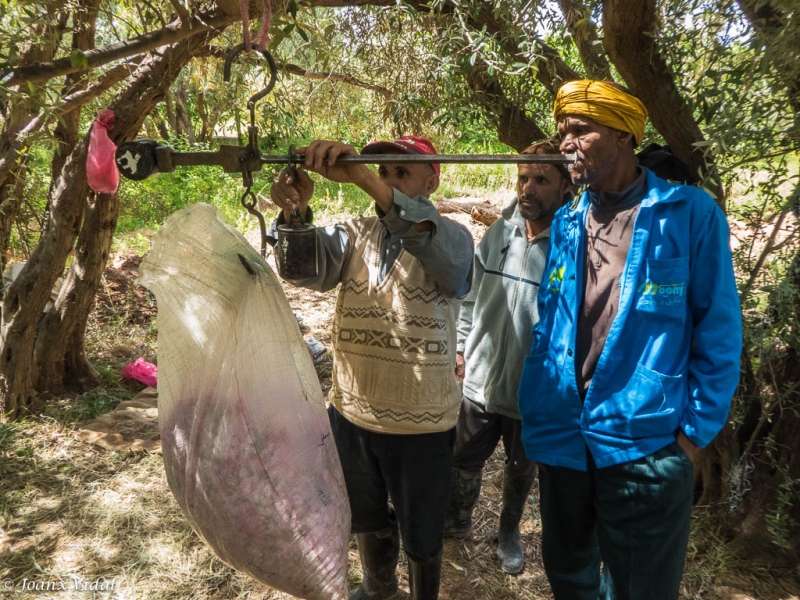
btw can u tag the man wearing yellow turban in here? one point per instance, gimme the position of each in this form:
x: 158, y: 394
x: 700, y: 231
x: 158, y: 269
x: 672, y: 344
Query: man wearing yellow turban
x: 606, y: 103
x: 634, y: 359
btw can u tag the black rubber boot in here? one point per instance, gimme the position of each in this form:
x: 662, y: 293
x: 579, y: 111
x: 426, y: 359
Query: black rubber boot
x: 423, y: 578
x: 465, y: 487
x: 379, y: 552
x: 516, y: 487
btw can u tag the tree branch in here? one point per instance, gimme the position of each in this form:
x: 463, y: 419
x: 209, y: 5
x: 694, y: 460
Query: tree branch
x: 514, y: 126
x: 634, y: 51
x: 551, y: 70
x: 578, y: 18
x: 768, y: 248
x: 69, y: 103
x: 172, y: 33
x: 183, y: 14
x: 293, y: 69
x: 775, y: 30
x: 332, y: 76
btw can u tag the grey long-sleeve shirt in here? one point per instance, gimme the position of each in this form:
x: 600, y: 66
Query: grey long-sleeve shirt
x: 497, y: 316
x: 445, y: 252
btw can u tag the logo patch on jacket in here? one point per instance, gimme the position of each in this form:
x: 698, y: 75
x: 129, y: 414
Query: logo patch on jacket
x: 556, y: 277
x: 663, y: 294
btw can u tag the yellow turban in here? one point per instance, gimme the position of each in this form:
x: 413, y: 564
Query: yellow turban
x: 604, y: 103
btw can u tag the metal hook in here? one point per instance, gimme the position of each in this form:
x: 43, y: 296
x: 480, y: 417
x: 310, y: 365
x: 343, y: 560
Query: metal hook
x: 252, y: 150
x: 250, y: 206
x: 273, y: 69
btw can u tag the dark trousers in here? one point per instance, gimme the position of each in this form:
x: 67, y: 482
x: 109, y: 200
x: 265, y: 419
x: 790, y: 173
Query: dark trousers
x: 477, y: 435
x: 412, y: 470
x: 635, y: 515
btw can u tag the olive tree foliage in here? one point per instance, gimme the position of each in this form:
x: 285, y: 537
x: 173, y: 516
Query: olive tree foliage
x: 720, y: 79
x: 762, y: 142
x: 740, y: 84
x: 144, y: 46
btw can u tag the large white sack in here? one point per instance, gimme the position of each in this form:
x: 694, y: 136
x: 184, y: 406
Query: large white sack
x: 247, y: 444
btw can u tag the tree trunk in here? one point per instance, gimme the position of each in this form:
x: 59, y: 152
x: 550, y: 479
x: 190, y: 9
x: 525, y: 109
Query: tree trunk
x: 778, y: 32
x: 10, y: 202
x: 770, y: 510
x: 18, y: 114
x: 514, y: 126
x: 60, y: 354
x: 54, y: 344
x: 632, y: 47
x: 26, y: 297
x: 16, y: 350
x: 578, y: 17
x: 183, y: 123
x: 154, y: 127
x: 83, y: 39
x: 171, y: 119
x: 66, y: 135
x: 206, y: 125
x: 67, y: 131
x: 79, y: 374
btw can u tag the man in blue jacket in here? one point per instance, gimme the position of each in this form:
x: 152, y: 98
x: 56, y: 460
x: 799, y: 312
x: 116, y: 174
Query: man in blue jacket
x: 634, y: 360
x: 494, y: 333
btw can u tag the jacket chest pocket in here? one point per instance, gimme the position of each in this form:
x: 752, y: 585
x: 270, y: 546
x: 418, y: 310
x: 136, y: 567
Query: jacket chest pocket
x: 662, y: 288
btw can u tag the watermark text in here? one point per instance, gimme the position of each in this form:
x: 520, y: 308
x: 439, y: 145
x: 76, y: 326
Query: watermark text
x: 61, y: 584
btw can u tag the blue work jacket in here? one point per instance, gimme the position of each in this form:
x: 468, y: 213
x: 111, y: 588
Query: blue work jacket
x: 671, y: 357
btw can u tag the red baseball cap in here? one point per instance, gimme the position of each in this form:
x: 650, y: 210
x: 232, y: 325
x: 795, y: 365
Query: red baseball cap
x: 408, y: 144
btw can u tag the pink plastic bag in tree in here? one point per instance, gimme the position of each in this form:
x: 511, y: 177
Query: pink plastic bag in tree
x: 101, y: 167
x: 143, y: 371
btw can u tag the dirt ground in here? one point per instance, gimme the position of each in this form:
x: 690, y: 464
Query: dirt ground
x: 72, y: 512
x: 470, y: 569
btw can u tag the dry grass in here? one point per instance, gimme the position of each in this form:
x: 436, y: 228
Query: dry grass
x: 72, y: 512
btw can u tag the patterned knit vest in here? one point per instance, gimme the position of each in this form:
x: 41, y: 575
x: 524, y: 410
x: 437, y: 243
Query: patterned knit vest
x: 394, y: 342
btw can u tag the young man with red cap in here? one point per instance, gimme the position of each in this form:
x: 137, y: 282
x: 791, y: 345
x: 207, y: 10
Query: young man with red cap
x: 394, y: 400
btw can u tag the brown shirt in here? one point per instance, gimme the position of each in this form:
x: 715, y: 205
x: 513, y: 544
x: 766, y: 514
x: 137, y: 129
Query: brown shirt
x: 609, y: 228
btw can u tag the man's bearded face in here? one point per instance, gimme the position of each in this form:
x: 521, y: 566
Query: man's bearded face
x: 540, y: 191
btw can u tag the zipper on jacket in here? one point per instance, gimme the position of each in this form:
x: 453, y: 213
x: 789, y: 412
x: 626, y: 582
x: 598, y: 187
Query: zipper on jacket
x: 504, y: 252
x: 520, y: 277
x: 517, y: 284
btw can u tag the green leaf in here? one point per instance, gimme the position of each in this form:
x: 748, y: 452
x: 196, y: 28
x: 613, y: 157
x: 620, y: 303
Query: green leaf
x: 78, y: 59
x: 302, y: 34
